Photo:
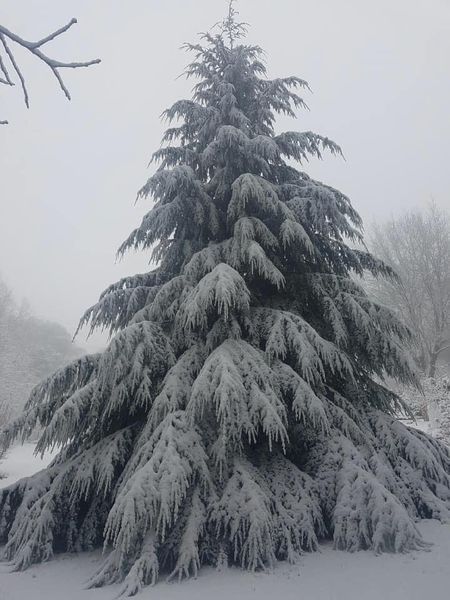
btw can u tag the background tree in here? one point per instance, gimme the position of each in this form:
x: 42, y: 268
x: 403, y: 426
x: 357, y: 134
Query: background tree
x: 10, y: 71
x: 6, y: 304
x: 235, y: 415
x: 417, y: 247
x: 30, y: 349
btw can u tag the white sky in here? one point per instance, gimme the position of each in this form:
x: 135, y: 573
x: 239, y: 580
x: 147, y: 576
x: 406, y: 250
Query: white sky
x: 69, y: 172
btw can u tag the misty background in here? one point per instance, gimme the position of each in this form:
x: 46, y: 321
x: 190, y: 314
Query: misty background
x: 70, y: 170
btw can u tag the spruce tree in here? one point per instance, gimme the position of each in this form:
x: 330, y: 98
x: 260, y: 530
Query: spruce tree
x: 236, y: 416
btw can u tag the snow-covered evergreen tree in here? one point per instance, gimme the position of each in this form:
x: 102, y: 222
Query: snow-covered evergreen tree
x: 235, y: 416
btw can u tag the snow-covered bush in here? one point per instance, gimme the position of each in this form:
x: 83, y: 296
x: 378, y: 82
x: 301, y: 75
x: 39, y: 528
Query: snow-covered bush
x: 431, y: 402
x: 235, y: 416
x: 437, y: 393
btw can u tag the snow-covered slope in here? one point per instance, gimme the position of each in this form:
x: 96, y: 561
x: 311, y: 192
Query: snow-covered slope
x: 328, y: 575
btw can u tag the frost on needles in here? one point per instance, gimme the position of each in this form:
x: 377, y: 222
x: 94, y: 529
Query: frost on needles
x: 236, y: 416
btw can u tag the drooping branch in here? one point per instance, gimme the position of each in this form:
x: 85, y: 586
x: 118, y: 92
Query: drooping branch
x: 7, y: 37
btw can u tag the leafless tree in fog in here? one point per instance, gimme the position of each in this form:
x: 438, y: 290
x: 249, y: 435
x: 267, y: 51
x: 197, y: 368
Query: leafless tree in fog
x: 417, y: 246
x: 10, y: 71
x: 30, y: 349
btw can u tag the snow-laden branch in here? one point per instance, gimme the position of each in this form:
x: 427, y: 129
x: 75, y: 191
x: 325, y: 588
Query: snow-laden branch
x: 7, y: 38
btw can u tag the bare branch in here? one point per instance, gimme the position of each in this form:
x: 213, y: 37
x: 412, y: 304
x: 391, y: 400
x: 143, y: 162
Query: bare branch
x: 35, y: 49
x: 443, y: 349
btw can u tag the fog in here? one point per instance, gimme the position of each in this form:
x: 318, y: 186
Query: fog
x: 70, y: 170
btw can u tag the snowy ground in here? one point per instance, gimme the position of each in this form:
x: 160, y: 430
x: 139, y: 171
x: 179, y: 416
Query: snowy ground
x: 329, y: 575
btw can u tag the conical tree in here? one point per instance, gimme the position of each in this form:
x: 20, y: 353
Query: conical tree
x: 236, y: 415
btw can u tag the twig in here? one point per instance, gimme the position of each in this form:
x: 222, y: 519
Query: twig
x: 35, y: 49
x: 56, y: 33
x: 4, y: 70
x: 16, y: 69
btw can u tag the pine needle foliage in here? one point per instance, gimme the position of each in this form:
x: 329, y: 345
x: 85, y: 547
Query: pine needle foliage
x: 235, y: 416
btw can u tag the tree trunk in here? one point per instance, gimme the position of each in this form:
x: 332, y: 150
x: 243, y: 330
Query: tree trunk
x: 432, y: 365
